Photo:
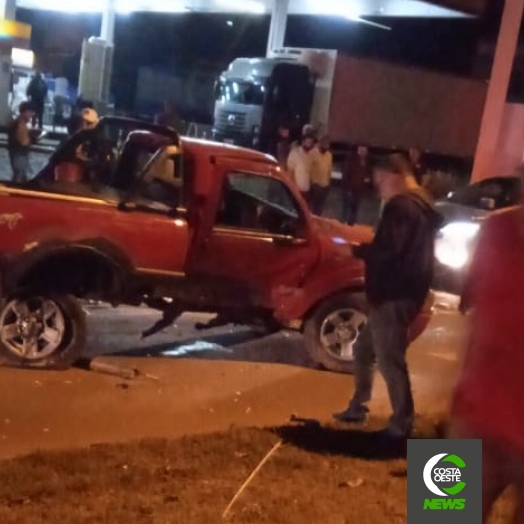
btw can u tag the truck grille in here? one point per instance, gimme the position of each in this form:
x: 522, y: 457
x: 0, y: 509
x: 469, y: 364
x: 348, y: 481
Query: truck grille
x: 231, y: 121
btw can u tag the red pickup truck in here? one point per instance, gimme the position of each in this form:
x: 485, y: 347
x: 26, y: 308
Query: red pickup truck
x: 131, y: 213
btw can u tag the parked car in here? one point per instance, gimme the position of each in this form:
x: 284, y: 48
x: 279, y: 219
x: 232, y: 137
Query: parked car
x: 143, y: 216
x: 463, y: 211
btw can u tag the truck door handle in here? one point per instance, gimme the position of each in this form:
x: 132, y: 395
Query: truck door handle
x: 127, y: 206
x: 289, y: 241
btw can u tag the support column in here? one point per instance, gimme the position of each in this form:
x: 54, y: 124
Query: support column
x: 277, y: 28
x: 97, y: 61
x: 107, y: 31
x: 7, y: 11
x: 498, y: 89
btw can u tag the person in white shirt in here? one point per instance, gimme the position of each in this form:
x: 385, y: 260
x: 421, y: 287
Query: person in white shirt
x: 299, y: 164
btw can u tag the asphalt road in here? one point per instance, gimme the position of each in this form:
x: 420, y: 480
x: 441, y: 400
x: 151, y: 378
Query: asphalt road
x: 193, y: 382
x: 36, y: 159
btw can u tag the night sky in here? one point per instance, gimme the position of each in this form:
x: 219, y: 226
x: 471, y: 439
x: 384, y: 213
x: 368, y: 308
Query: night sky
x: 179, y: 43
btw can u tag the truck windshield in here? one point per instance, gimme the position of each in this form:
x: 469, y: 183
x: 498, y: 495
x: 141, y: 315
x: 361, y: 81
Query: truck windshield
x: 240, y: 92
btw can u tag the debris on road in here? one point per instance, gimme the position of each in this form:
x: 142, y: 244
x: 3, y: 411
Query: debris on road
x: 355, y: 483
x: 108, y: 369
x: 251, y: 477
x: 304, y: 421
x: 152, y: 377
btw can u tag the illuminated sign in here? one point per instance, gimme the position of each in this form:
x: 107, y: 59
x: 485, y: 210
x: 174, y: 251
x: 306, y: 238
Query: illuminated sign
x: 14, y: 34
x: 22, y: 58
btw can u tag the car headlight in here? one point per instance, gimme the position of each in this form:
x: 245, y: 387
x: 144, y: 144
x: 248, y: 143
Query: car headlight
x: 454, y: 244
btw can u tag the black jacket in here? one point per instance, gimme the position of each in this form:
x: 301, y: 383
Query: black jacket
x: 399, y: 261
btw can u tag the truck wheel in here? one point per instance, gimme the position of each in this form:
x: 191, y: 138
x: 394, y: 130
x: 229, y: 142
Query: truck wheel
x: 332, y: 330
x: 42, y: 332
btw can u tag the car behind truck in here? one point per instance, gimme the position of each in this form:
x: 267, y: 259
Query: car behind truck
x: 146, y: 217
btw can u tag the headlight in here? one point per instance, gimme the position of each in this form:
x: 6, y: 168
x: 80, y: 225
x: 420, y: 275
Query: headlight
x: 453, y: 245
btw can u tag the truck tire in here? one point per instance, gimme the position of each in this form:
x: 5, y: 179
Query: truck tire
x: 44, y: 332
x: 332, y: 330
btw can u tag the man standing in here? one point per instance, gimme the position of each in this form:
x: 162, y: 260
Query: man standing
x: 356, y: 173
x: 399, y: 271
x: 299, y: 164
x: 419, y: 166
x: 321, y: 169
x: 489, y: 398
x: 37, y: 94
x: 283, y: 147
x: 169, y: 117
x: 19, y: 143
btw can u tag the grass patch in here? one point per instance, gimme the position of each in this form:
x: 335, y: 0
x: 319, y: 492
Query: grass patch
x: 321, y: 475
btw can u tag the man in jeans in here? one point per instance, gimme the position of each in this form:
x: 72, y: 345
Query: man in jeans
x: 399, y: 271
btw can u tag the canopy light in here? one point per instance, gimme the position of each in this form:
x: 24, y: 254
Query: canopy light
x: 356, y: 10
x: 22, y: 58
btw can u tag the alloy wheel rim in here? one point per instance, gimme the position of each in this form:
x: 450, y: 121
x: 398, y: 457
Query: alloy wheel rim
x: 32, y: 329
x: 339, y: 332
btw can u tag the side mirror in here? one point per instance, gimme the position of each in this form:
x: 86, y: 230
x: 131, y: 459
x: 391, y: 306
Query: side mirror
x: 487, y: 203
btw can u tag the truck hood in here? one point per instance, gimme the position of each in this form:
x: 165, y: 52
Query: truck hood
x: 342, y: 234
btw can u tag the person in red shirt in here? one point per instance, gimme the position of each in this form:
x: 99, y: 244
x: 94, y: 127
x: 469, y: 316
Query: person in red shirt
x: 488, y: 401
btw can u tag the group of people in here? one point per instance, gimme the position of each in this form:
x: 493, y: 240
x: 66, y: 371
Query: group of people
x: 310, y: 164
x: 20, y: 137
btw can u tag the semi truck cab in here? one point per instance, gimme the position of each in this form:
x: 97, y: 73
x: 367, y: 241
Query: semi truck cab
x: 256, y: 96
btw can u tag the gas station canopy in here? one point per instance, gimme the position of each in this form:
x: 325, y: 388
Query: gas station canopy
x: 351, y: 9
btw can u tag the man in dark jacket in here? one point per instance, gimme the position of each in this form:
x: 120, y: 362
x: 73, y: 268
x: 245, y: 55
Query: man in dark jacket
x: 356, y: 173
x: 399, y: 271
x: 37, y: 93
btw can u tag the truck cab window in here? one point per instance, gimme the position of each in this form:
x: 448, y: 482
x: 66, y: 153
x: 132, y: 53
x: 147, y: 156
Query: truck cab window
x: 159, y: 184
x: 240, y: 92
x: 258, y: 203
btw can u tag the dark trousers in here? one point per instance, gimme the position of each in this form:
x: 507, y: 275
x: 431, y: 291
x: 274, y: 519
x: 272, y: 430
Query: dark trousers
x: 350, y: 207
x: 318, y: 195
x: 38, y: 117
x: 306, y: 195
x: 384, y: 340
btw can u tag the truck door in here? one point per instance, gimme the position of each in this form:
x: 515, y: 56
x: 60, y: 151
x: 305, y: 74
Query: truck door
x: 148, y: 224
x: 260, y: 238
x: 158, y: 232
